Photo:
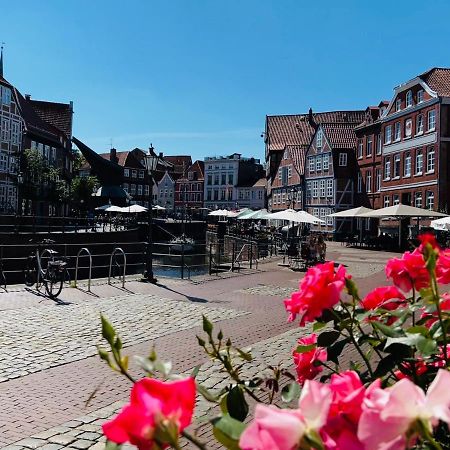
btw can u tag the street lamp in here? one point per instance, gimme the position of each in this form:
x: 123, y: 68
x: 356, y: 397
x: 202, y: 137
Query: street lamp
x: 19, y: 188
x: 150, y: 163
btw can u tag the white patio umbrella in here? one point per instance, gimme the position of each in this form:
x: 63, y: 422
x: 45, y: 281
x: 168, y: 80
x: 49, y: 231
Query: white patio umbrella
x: 158, y: 208
x: 245, y: 213
x: 255, y: 215
x: 114, y: 208
x: 134, y: 209
x: 442, y: 224
x: 401, y: 211
x: 102, y: 208
x: 354, y: 212
x: 218, y: 212
x: 294, y: 216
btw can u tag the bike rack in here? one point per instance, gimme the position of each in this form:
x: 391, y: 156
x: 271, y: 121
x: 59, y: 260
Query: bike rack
x: 88, y: 253
x: 118, y: 250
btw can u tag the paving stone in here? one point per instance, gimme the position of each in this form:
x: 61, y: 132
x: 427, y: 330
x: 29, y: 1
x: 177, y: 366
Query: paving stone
x: 30, y: 443
x: 81, y: 444
x: 62, y: 439
x: 50, y: 447
x: 90, y: 436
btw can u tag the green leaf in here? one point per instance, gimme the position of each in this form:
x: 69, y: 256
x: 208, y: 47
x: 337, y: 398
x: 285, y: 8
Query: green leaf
x: 318, y: 326
x: 305, y: 348
x: 236, y: 404
x: 290, y: 392
x: 386, y: 329
x: 195, y: 371
x: 352, y: 289
x: 209, y: 396
x: 110, y: 445
x: 108, y: 331
x: 327, y: 338
x: 427, y: 347
x: 385, y: 365
x: 118, y: 344
x: 419, y: 329
x: 246, y: 356
x: 314, y: 440
x: 228, y: 431
x: 335, y: 350
x: 104, y: 355
x: 207, y: 326
x: 220, y: 335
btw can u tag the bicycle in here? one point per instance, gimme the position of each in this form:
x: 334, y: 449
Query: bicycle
x: 52, y: 276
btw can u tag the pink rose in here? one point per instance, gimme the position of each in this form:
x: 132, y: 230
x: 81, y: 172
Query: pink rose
x: 151, y: 402
x: 388, y: 414
x: 408, y: 271
x: 304, y: 362
x: 319, y: 290
x: 341, y: 428
x: 443, y: 267
x: 283, y: 429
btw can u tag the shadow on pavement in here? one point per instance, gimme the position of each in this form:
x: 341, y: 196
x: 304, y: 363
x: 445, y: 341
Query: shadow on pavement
x: 189, y: 297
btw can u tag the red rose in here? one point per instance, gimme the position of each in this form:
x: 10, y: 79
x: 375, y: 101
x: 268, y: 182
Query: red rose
x: 428, y: 238
x: 408, y: 271
x: 443, y: 267
x: 386, y: 297
x: 152, y: 403
x: 319, y: 290
x: 304, y: 362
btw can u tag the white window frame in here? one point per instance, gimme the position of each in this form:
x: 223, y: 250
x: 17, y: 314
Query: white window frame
x: 420, y: 96
x: 430, y: 200
x: 360, y: 149
x: 318, y: 163
x: 397, y: 159
x: 407, y: 167
x: 419, y: 124
x: 378, y: 179
x: 325, y: 162
x: 379, y: 144
x: 419, y: 162
x: 388, y: 134
x: 395, y: 199
x: 387, y: 168
x: 386, y: 201
x: 418, y: 199
x: 312, y: 163
x: 431, y: 120
x: 369, y: 148
x: 397, y: 131
x: 319, y: 139
x: 315, y: 189
x: 369, y: 181
x: 409, y: 99
x: 322, y: 189
x: 330, y: 187
x: 342, y: 159
x: 408, y: 129
x: 430, y: 160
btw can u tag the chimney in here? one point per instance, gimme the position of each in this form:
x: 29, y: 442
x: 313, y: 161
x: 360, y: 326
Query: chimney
x: 311, y: 119
x: 71, y: 106
x: 27, y: 97
x: 113, y: 156
x: 161, y: 155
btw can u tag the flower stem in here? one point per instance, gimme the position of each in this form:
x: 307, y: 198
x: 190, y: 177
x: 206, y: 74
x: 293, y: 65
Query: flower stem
x: 194, y: 440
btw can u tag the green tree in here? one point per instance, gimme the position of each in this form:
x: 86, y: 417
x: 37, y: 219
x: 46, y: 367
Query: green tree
x: 81, y: 188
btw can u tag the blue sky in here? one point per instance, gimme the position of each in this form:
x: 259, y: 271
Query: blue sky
x: 198, y: 77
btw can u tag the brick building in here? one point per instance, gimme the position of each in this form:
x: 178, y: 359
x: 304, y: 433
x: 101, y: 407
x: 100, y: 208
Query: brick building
x: 331, y: 168
x: 189, y: 188
x: 416, y: 141
x: 38, y: 125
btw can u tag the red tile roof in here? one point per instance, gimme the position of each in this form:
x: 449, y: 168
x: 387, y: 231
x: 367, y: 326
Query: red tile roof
x: 340, y: 135
x: 297, y: 154
x: 262, y: 182
x: 297, y: 130
x: 121, y: 156
x: 180, y: 162
x: 57, y: 114
x: 438, y: 78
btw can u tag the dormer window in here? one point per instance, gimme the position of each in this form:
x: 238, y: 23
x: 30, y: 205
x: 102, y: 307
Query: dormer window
x: 319, y: 139
x: 409, y: 99
x: 190, y: 176
x: 420, y: 96
x: 398, y: 104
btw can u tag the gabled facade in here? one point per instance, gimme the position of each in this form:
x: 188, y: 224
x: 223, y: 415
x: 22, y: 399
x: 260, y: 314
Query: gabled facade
x: 166, y: 189
x: 189, y: 188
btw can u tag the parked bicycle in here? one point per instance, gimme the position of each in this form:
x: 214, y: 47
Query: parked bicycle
x: 46, y: 266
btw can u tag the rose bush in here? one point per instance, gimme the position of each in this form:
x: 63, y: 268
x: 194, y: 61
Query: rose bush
x: 393, y: 394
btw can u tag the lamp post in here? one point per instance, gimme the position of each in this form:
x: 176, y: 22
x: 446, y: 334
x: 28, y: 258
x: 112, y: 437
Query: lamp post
x: 19, y: 188
x: 150, y: 162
